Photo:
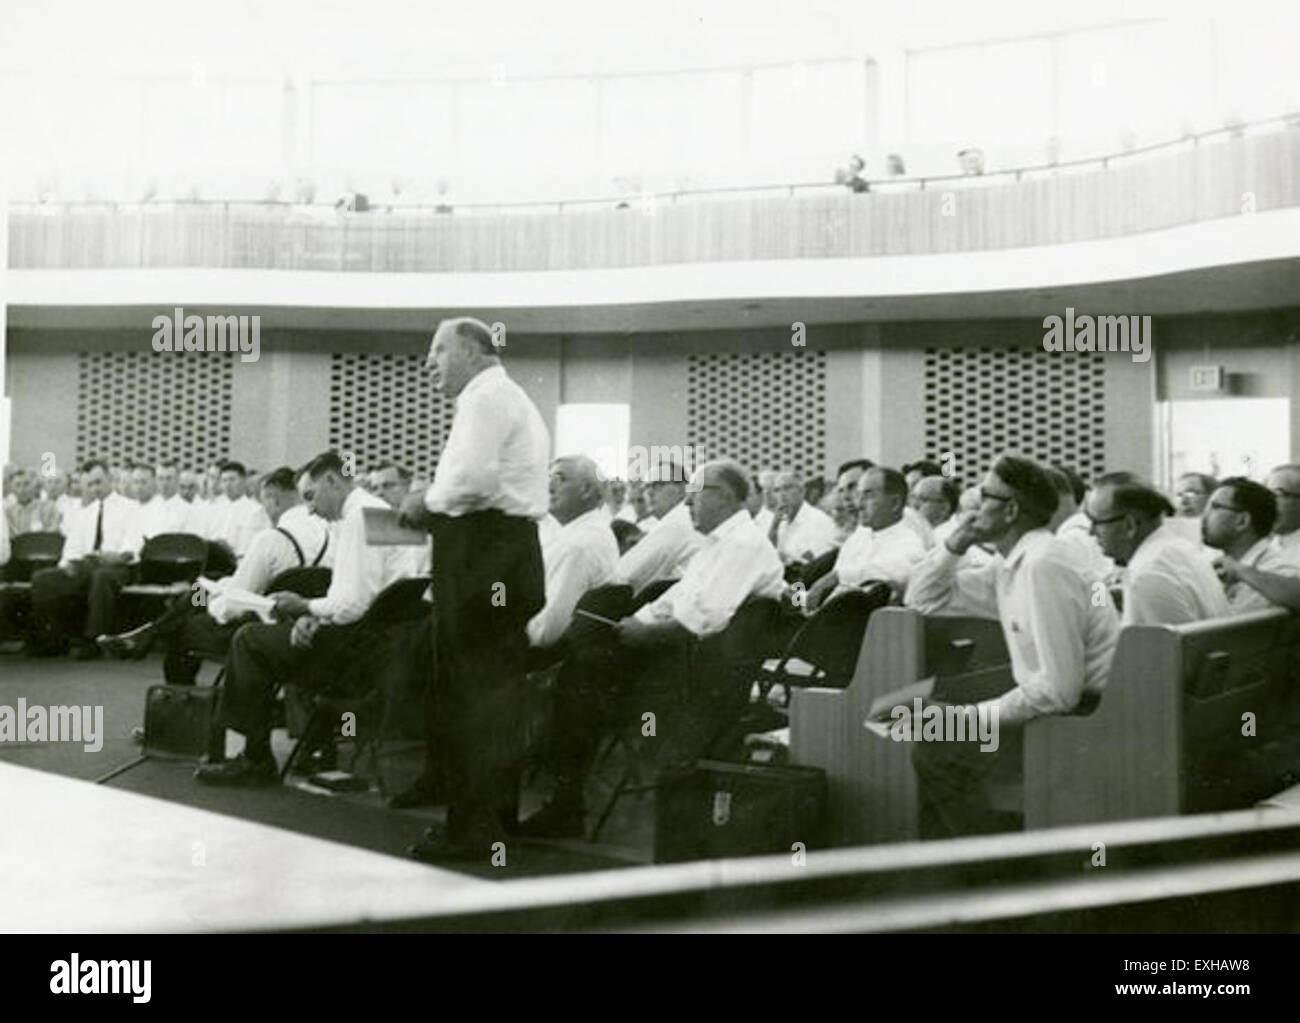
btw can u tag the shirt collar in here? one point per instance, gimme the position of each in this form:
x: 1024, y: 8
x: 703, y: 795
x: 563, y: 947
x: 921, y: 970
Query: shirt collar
x: 731, y: 525
x: 1034, y: 538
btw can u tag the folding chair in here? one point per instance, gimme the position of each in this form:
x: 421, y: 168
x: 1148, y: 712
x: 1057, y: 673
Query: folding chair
x: 28, y: 554
x: 824, y: 652
x: 169, y: 564
x: 717, y: 684
x: 399, y: 603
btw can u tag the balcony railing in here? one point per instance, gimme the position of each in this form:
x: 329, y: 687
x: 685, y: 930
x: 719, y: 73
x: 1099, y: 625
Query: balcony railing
x: 1204, y: 178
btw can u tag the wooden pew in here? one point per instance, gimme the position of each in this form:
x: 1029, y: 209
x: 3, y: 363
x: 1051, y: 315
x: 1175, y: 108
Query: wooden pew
x: 1167, y: 737
x: 871, y: 795
x: 1165, y: 740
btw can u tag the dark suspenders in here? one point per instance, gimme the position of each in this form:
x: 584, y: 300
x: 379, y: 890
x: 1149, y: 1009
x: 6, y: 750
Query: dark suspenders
x: 302, y: 560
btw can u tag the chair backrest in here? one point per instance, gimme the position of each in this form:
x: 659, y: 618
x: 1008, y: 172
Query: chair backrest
x: 832, y: 638
x: 613, y: 600
x: 29, y: 552
x: 748, y: 638
x: 172, y: 557
x: 819, y: 566
x: 219, y: 561
x: 399, y: 601
x: 308, y: 581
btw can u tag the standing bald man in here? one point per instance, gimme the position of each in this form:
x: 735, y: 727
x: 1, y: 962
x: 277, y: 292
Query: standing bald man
x: 488, y: 492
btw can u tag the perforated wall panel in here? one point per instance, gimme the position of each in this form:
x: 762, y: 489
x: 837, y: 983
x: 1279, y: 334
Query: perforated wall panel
x: 767, y: 410
x: 982, y: 403
x: 385, y: 408
x: 150, y: 406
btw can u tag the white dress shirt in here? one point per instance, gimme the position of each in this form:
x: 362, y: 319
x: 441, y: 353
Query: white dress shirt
x: 161, y: 515
x: 579, y: 557
x: 810, y: 534
x: 888, y: 554
x: 646, y: 524
x: 547, y: 527
x: 763, y: 520
x: 1168, y: 582
x: 238, y: 522
x: 734, y: 562
x: 120, y: 531
x: 361, y: 571
x: 663, y: 553
x: 69, y: 508
x: 178, y: 516
x: 207, y: 514
x: 271, y: 553
x: 496, y: 454
x: 1060, y: 639
x: 1267, y: 556
x: 1287, y: 545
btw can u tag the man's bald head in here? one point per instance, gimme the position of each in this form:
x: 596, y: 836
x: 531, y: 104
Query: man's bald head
x: 717, y: 492
x: 462, y: 347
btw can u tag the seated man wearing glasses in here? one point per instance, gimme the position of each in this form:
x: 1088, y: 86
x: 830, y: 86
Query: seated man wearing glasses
x: 1166, y: 580
x: 1059, y: 635
x: 1258, y: 567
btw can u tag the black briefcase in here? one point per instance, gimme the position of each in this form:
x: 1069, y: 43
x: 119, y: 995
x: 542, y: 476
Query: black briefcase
x: 721, y: 809
x: 180, y: 722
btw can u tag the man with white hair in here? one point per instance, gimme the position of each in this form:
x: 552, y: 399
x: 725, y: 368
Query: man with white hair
x: 489, y: 490
x: 581, y: 555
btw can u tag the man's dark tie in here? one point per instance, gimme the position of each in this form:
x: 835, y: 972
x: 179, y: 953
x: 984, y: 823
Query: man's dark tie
x: 99, y: 528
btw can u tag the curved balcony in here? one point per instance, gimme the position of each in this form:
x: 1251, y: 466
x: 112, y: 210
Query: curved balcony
x: 1198, y: 179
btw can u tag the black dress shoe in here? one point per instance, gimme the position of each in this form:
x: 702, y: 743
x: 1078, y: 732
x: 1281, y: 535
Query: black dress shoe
x: 129, y: 646
x: 554, y: 820
x: 239, y: 773
x: 424, y: 791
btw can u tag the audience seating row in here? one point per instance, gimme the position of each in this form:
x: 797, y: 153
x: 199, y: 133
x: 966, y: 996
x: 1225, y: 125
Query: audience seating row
x: 1196, y: 718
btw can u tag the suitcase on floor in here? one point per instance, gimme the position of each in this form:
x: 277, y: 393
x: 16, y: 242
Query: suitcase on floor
x: 180, y: 722
x: 722, y: 809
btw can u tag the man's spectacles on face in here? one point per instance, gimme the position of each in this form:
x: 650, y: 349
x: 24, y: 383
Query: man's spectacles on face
x: 1282, y: 495
x: 1106, y: 521
x: 1226, y: 507
x: 988, y: 495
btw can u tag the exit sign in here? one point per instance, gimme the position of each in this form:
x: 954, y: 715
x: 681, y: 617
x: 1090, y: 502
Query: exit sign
x: 1207, y: 378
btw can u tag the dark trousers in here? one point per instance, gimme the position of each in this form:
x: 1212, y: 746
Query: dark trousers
x: 603, y: 685
x: 261, y: 658
x: 952, y: 782
x: 488, y: 581
x: 79, y: 600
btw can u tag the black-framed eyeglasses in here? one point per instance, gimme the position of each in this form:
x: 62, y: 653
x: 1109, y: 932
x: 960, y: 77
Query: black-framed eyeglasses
x: 1105, y: 522
x: 1227, y: 508
x: 1278, y: 492
x: 987, y: 495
